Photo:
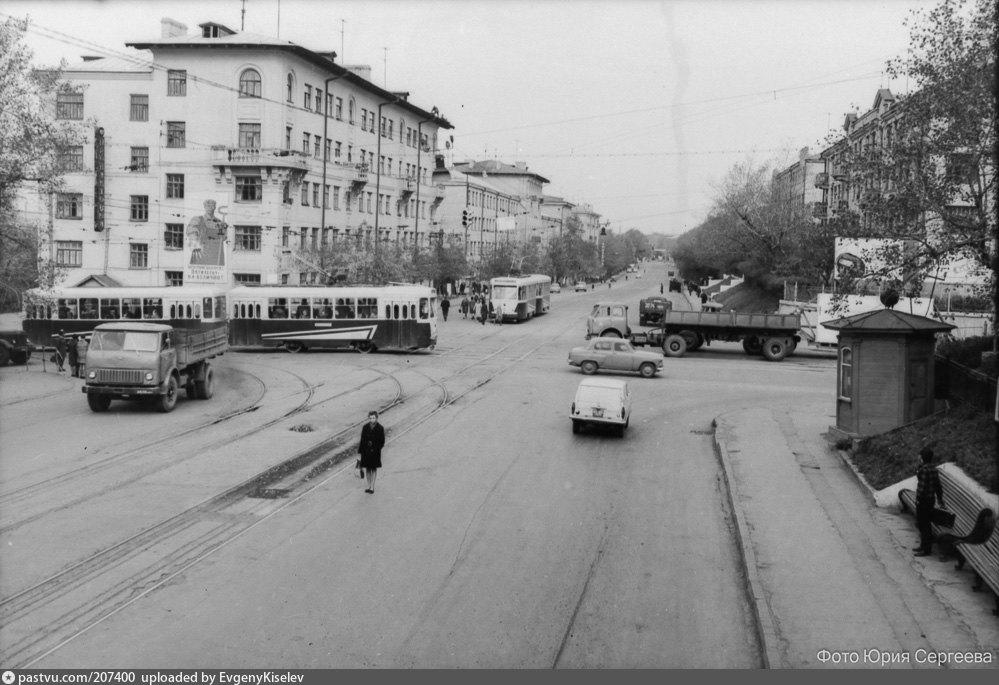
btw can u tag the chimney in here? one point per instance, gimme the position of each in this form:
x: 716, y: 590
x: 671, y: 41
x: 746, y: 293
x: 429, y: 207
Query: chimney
x: 521, y: 165
x: 362, y: 70
x: 171, y: 28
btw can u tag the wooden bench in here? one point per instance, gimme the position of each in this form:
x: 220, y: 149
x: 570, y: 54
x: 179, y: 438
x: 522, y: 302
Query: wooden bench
x: 973, y: 537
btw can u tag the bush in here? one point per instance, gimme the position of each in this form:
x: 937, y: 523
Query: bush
x: 967, y: 351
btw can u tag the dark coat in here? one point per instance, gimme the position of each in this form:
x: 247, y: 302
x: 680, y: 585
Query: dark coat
x: 370, y: 448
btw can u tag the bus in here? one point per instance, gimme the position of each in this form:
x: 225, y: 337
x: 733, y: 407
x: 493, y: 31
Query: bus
x: 365, y: 318
x: 77, y: 310
x: 518, y: 298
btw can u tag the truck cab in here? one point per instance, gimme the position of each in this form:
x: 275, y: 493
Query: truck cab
x: 608, y: 319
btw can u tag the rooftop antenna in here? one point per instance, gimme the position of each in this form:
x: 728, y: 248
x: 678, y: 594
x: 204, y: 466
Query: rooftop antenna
x: 385, y: 70
x: 242, y: 16
x: 343, y: 23
x: 279, y: 20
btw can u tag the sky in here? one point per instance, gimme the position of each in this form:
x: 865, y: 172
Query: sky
x: 638, y: 108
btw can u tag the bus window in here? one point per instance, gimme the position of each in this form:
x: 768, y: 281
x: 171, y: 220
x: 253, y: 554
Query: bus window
x: 424, y: 308
x: 131, y: 307
x: 67, y: 308
x: 277, y: 308
x: 88, y: 308
x: 345, y: 308
x: 152, y: 308
x: 302, y: 309
x: 367, y: 308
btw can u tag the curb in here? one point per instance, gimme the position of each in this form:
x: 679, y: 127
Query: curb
x: 766, y: 626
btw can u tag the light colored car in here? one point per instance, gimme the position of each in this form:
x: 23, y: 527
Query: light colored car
x: 615, y: 354
x: 581, y: 287
x: 601, y: 402
x: 555, y: 288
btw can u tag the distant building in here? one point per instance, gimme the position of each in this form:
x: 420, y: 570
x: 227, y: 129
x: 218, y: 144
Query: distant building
x: 797, y: 183
x: 297, y: 152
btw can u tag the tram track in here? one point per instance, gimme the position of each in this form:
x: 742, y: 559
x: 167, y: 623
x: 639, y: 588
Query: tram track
x: 81, y: 596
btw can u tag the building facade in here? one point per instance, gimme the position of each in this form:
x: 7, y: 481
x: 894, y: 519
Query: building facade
x: 223, y: 156
x: 797, y: 183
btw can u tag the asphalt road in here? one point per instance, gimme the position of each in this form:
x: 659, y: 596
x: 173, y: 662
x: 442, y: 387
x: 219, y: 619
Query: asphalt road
x: 496, y: 538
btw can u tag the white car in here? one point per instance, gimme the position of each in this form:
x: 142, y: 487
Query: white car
x: 581, y: 287
x: 555, y: 288
x: 601, y: 402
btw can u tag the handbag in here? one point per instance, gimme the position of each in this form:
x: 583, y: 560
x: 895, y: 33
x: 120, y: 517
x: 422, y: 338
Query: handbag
x: 943, y: 518
x: 358, y: 469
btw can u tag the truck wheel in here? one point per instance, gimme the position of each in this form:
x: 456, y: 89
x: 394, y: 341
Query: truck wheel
x: 588, y: 367
x: 693, y: 339
x: 752, y: 345
x: 774, y: 349
x: 168, y: 400
x: 647, y: 370
x: 98, y: 403
x: 674, y: 345
x: 206, y: 388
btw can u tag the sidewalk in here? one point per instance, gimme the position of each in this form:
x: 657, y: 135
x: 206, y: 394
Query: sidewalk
x: 831, y: 575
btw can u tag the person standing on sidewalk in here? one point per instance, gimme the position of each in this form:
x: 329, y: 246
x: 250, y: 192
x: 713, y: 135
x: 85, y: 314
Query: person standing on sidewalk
x: 370, y: 449
x: 928, y: 493
x: 445, y: 307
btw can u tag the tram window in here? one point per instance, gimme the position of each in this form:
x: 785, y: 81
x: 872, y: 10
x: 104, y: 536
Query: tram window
x: 277, y: 308
x: 405, y: 311
x: 187, y: 311
x: 152, y: 308
x: 322, y: 308
x: 88, y: 308
x: 302, y: 309
x: 110, y: 309
x: 424, y: 308
x: 345, y: 308
x: 197, y: 310
x: 388, y: 311
x: 67, y: 308
x: 206, y: 303
x: 395, y: 312
x: 132, y: 307
x: 367, y: 308
x: 256, y: 313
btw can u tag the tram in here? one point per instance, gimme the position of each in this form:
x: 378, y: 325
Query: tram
x: 77, y: 310
x: 518, y: 298
x: 365, y: 318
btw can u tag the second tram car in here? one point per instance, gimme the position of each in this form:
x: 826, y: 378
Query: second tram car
x: 77, y: 310
x: 365, y: 318
x: 519, y: 298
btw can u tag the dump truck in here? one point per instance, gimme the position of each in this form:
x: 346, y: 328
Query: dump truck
x: 134, y: 360
x: 775, y: 336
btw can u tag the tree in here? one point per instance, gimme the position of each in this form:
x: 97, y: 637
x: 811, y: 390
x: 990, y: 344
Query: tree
x: 31, y: 140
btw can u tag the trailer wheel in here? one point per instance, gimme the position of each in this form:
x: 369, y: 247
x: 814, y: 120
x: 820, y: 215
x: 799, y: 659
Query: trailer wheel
x: 674, y: 345
x: 774, y: 349
x: 98, y: 403
x: 206, y: 388
x: 752, y: 345
x: 588, y: 367
x: 168, y: 400
x: 693, y: 339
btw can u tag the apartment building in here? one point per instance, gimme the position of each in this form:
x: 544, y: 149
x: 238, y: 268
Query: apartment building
x: 225, y: 156
x: 797, y: 183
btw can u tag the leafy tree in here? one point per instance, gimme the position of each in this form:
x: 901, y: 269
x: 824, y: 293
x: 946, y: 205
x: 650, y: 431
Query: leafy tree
x: 30, y: 142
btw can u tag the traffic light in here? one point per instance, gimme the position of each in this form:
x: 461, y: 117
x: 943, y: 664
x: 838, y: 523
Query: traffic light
x: 464, y: 217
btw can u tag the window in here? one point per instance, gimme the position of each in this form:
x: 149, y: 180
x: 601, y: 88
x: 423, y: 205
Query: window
x: 176, y: 82
x: 140, y: 108
x: 287, y: 137
x: 329, y: 103
x: 175, y: 186
x: 247, y: 238
x: 289, y: 88
x: 326, y: 148
x: 69, y: 206
x: 69, y: 252
x: 315, y: 194
x: 71, y: 158
x: 138, y: 256
x: 249, y: 135
x: 139, y: 205
x: 173, y: 237
x: 139, y: 159
x: 176, y: 134
x: 307, y: 97
x: 69, y: 105
x: 326, y: 196
x: 337, y: 149
x: 316, y: 145
x: 249, y: 84
x: 364, y: 119
x: 305, y: 194
x: 319, y: 100
x: 350, y: 112
x: 339, y: 109
x: 253, y: 279
x: 315, y: 238
x: 336, y: 197
x: 174, y: 278
x: 249, y: 189
x: 305, y: 143
x: 285, y: 234
x: 846, y: 373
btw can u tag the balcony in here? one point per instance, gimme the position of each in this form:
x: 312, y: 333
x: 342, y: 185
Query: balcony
x: 258, y: 157
x: 355, y: 174
x: 822, y: 180
x: 839, y: 172
x: 842, y: 205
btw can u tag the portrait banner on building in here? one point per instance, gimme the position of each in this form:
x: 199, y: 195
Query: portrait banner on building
x: 205, y: 240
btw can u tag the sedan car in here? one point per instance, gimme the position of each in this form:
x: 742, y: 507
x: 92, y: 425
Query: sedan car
x: 581, y: 287
x: 555, y: 288
x: 601, y: 402
x: 615, y: 354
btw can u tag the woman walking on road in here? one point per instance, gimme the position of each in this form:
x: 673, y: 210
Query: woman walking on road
x: 370, y: 449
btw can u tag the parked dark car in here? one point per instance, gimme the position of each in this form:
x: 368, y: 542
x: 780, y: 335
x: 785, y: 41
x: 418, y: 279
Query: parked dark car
x: 14, y: 347
x: 675, y: 285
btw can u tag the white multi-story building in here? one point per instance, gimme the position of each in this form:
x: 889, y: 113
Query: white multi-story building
x: 296, y: 152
